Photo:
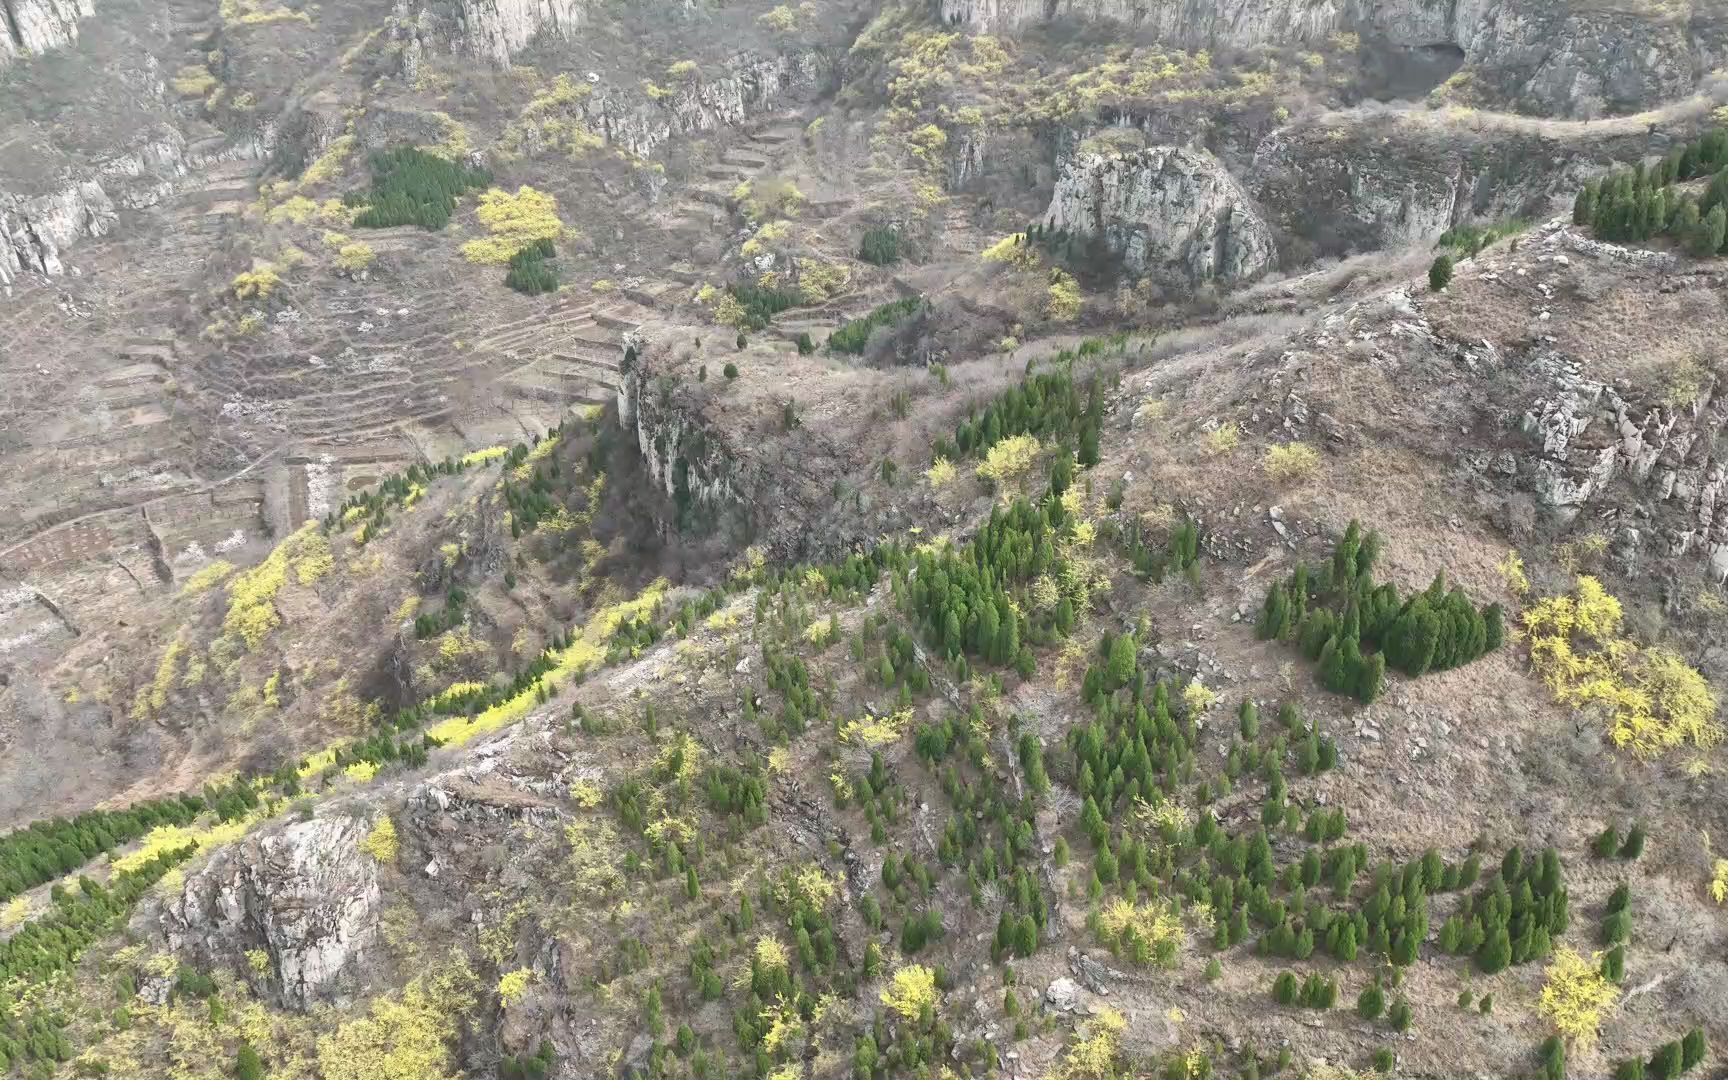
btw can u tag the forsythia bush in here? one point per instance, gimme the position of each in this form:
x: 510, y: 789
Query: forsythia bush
x: 402, y: 1037
x: 1576, y: 996
x: 251, y: 595
x: 913, y: 991
x: 940, y: 473
x: 1016, y: 251
x: 1197, y: 697
x: 1147, y: 933
x: 515, y: 221
x: 1290, y: 462
x: 1654, y: 700
x: 381, y: 842
x: 514, y: 984
x: 1223, y: 438
x: 1064, y: 301
x: 1009, y: 458
x: 256, y: 284
x: 1096, y: 1055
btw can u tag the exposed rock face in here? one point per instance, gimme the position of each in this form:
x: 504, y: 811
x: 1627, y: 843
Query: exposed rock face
x: 495, y: 30
x: 490, y: 31
x: 36, y: 230
x: 1533, y: 51
x: 749, y: 86
x: 684, y: 459
x: 1166, y: 211
x: 37, y: 26
x: 33, y: 231
x: 305, y: 893
x: 1399, y: 179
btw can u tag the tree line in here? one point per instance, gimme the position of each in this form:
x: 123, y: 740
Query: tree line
x: 1641, y: 202
x: 412, y: 187
x: 1336, y: 613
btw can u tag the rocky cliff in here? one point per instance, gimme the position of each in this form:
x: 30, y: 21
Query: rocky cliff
x: 305, y: 893
x: 37, y: 229
x: 745, y: 88
x: 490, y: 31
x: 38, y: 26
x: 1533, y: 53
x: 1165, y: 211
x: 1359, y: 182
x: 683, y: 456
x: 33, y: 231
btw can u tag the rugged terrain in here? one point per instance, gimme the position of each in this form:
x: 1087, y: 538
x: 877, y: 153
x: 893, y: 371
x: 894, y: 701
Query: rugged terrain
x: 833, y: 630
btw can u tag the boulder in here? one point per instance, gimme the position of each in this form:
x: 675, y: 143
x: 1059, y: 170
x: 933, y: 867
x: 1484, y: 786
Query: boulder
x: 304, y: 893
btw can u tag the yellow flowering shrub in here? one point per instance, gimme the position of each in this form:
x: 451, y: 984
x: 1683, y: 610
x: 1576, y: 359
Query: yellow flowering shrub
x: 1062, y: 304
x: 1223, y: 438
x: 770, y: 954
x: 1015, y: 251
x: 873, y: 732
x: 1290, y: 462
x: 381, y: 843
x: 1197, y: 697
x: 1576, y: 996
x: 404, y: 1036
x: 1097, y: 1053
x: 912, y: 991
x: 1149, y: 932
x: 255, y: 284
x: 1009, y: 459
x: 940, y: 473
x: 513, y: 985
x: 514, y: 222
x: 206, y: 576
x: 252, y: 594
x: 1652, y: 699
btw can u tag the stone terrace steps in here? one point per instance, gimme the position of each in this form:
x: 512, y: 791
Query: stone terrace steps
x: 742, y: 159
x: 521, y: 331
x: 557, y: 389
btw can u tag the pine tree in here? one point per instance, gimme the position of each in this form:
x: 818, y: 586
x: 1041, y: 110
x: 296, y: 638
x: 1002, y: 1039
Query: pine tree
x: 1284, y: 989
x: 1371, y: 1002
x: 692, y: 888
x: 1400, y: 1015
x: 247, y: 1065
x: 1693, y: 1048
x: 1634, y: 845
x: 1440, y: 273
x: 1607, y: 842
x: 1371, y: 677
x: 1714, y: 230
x: 1614, y: 964
x: 1496, y: 953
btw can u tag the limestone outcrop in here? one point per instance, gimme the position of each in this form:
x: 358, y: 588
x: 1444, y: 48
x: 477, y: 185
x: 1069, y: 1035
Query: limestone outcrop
x: 1165, y: 211
x: 1529, y: 52
x: 38, y: 26
x: 305, y: 893
x: 34, y: 231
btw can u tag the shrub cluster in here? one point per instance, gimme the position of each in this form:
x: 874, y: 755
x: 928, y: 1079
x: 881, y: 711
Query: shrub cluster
x: 413, y: 187
x: 46, y: 850
x: 52, y: 942
x: 1515, y: 918
x: 1337, y: 612
x: 760, y: 303
x: 880, y: 246
x: 1049, y: 405
x: 531, y: 270
x: 1641, y: 202
x: 854, y: 334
